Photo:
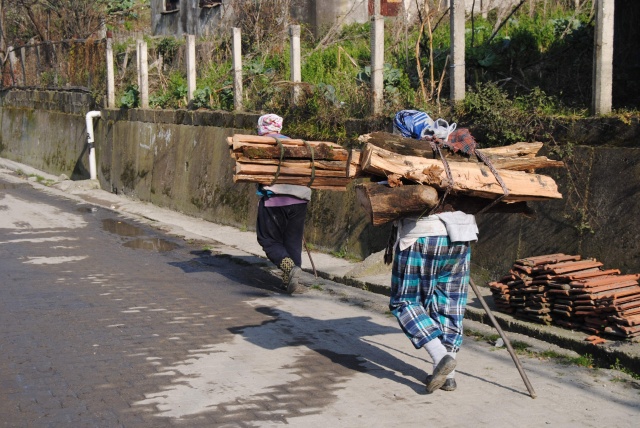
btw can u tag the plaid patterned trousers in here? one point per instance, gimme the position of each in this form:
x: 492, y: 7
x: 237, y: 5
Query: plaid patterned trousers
x: 429, y: 286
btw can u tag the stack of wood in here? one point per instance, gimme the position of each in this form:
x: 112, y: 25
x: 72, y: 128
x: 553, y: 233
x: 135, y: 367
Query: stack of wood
x: 401, y: 161
x: 267, y: 160
x: 571, y: 292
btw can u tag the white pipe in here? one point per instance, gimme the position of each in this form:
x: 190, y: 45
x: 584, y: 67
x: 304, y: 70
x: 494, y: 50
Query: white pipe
x: 92, y: 152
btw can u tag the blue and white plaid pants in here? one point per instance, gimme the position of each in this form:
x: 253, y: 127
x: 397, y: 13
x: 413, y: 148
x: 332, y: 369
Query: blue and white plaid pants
x: 429, y: 286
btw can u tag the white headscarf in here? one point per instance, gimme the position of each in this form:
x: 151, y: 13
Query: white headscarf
x: 269, y: 123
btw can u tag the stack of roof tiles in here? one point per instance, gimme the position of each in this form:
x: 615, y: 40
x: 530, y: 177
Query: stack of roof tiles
x: 571, y: 292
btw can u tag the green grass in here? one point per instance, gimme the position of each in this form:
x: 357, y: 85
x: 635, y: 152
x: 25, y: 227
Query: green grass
x: 617, y: 366
x: 508, y: 94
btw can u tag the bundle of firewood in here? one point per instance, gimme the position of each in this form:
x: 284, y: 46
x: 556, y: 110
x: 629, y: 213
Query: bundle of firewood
x: 401, y: 161
x: 571, y: 292
x: 267, y: 160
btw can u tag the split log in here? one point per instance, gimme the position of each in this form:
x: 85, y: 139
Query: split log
x: 320, y: 183
x: 338, y: 166
x: 268, y: 151
x: 237, y: 139
x: 469, y: 178
x: 317, y: 164
x: 384, y: 204
x: 353, y: 164
x: 272, y: 170
x: 515, y: 157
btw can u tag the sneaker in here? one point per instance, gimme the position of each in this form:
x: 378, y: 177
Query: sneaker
x: 449, y: 384
x: 446, y: 365
x: 292, y: 281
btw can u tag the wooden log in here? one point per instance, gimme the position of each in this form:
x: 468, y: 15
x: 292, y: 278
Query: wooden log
x: 384, y: 204
x: 400, y: 145
x: 267, y: 151
x: 354, y: 170
x: 271, y: 170
x: 319, y: 164
x: 328, y: 183
x: 515, y: 157
x: 469, y: 179
x: 238, y: 139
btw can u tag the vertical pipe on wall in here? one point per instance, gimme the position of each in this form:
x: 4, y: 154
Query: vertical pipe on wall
x: 92, y: 153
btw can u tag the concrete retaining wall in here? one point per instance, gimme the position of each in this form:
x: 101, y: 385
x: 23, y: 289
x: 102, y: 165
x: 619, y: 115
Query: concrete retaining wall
x: 179, y: 160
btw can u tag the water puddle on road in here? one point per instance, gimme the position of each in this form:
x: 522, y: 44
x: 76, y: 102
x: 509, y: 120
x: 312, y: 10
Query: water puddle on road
x: 129, y: 230
x: 121, y: 228
x: 87, y: 210
x: 155, y: 244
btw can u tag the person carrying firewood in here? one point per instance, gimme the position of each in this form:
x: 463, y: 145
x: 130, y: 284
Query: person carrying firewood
x: 281, y: 213
x: 430, y: 273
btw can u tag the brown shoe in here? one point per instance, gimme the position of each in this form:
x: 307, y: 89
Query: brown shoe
x: 446, y: 365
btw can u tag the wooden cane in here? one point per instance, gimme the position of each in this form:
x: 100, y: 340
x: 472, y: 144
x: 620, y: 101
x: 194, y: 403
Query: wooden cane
x: 506, y: 341
x: 310, y: 259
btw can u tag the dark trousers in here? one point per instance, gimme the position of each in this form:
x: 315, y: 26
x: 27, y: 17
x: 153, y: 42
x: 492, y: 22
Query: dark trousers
x: 280, y: 231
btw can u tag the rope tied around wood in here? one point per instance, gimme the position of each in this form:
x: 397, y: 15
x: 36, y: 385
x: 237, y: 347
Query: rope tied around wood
x: 313, y: 163
x: 463, y: 141
x: 281, y: 158
x: 281, y: 147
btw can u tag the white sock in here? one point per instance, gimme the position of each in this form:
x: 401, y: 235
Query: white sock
x: 453, y: 373
x: 436, y: 350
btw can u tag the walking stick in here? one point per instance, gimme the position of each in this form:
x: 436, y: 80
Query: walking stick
x: 310, y: 259
x: 532, y: 393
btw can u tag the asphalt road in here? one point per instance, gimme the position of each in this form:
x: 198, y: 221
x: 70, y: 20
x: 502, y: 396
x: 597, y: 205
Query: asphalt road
x: 106, y: 321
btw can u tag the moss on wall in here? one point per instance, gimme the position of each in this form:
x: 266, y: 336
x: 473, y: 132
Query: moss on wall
x: 155, y: 156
